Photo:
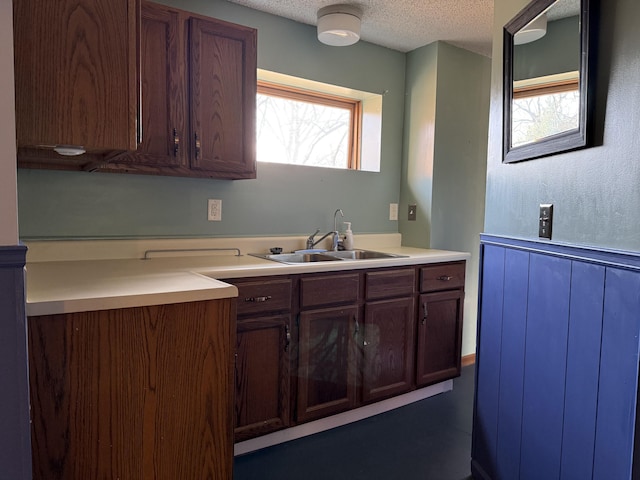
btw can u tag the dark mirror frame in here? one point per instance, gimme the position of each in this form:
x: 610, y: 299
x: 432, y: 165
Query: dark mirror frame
x: 566, y: 141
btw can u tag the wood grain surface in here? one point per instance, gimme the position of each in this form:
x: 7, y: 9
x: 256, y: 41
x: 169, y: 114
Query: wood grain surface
x: 139, y: 393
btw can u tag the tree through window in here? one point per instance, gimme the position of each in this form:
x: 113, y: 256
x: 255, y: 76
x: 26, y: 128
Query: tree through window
x: 300, y: 127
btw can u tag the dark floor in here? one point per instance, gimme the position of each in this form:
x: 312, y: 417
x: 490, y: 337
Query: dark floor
x: 427, y: 440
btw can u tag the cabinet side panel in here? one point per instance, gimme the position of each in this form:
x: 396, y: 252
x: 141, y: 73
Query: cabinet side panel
x: 545, y: 366
x: 485, y: 425
x: 617, y: 394
x: 583, y: 368
x: 133, y: 393
x: 512, y: 364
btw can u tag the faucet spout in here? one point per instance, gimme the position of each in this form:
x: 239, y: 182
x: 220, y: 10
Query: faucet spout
x: 335, y: 225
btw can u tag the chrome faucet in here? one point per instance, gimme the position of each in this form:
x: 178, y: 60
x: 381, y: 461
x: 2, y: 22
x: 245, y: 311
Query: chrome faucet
x: 311, y: 242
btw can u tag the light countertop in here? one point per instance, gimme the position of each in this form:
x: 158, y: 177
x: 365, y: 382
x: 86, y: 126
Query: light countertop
x: 86, y: 285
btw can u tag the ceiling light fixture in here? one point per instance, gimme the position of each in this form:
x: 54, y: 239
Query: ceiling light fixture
x: 531, y: 32
x: 339, y: 25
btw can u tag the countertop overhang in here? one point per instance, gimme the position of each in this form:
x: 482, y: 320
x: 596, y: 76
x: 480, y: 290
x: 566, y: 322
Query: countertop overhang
x: 88, y: 285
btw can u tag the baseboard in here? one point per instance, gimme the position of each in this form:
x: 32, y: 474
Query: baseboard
x: 468, y: 359
x: 340, y: 419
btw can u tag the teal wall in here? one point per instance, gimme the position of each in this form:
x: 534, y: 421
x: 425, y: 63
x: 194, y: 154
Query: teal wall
x: 594, y: 191
x: 283, y: 200
x: 557, y: 52
x: 444, y: 161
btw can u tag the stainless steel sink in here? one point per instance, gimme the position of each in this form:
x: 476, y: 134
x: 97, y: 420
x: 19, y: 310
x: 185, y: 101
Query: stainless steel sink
x: 325, y: 256
x: 297, y: 257
x: 362, y: 255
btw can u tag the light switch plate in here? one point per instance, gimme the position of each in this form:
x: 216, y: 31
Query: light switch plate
x: 412, y: 212
x: 545, y: 221
x: 393, y: 211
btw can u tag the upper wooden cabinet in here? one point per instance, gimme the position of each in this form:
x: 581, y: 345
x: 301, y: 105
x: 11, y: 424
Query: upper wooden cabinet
x: 82, y: 65
x: 199, y: 97
x: 76, y: 74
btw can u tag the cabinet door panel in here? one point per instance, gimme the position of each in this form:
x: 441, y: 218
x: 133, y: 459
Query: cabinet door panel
x: 327, y: 362
x: 262, y: 376
x: 439, y: 336
x: 223, y: 96
x: 163, y: 76
x: 387, y: 346
x: 76, y: 74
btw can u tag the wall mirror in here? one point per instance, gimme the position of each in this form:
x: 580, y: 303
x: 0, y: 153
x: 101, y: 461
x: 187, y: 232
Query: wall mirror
x: 548, y: 94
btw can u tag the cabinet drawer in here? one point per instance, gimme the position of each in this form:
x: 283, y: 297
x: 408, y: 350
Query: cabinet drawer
x: 391, y: 283
x: 263, y: 296
x: 442, y: 276
x: 329, y: 290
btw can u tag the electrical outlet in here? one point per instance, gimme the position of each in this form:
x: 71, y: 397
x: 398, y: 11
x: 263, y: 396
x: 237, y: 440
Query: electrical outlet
x: 412, y: 213
x: 393, y: 211
x: 214, y: 210
x: 545, y: 221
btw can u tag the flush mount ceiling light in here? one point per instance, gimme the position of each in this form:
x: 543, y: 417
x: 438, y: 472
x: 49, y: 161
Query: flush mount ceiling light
x: 339, y: 25
x: 531, y: 32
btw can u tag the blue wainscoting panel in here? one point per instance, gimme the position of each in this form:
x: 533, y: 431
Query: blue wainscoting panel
x: 545, y: 367
x: 583, y: 368
x: 617, y: 395
x: 557, y: 362
x: 485, y: 431
x: 514, y: 323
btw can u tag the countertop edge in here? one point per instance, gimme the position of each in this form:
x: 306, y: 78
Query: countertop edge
x: 68, y: 286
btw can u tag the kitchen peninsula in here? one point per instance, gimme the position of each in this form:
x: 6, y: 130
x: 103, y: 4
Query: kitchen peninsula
x: 136, y: 356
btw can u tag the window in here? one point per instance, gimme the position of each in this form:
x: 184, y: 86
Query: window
x: 302, y: 122
x: 544, y: 108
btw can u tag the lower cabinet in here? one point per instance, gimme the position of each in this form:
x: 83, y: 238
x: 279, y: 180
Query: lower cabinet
x: 262, y: 376
x: 314, y: 345
x: 263, y: 352
x: 133, y: 393
x: 389, y: 333
x: 439, y: 337
x: 387, y: 348
x: 326, y: 362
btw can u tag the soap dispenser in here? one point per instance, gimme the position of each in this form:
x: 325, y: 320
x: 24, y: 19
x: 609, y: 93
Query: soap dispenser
x: 348, y: 237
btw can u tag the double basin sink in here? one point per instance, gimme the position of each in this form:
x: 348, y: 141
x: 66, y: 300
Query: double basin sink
x: 305, y: 257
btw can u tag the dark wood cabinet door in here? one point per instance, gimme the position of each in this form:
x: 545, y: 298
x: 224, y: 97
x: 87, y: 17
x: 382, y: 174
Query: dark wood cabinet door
x: 223, y: 98
x: 165, y: 139
x: 387, y: 344
x: 262, y: 376
x: 76, y: 73
x: 327, y: 362
x: 439, y: 336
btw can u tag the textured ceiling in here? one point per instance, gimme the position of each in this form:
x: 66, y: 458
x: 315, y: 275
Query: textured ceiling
x: 402, y: 24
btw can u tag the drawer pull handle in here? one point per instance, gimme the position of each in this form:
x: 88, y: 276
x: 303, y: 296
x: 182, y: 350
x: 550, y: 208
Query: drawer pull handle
x: 257, y: 299
x: 425, y: 313
x: 445, y: 278
x: 176, y: 142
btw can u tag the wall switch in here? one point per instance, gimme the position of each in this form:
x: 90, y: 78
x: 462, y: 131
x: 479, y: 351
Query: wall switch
x: 412, y: 212
x: 545, y: 221
x: 393, y: 211
x: 214, y: 210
